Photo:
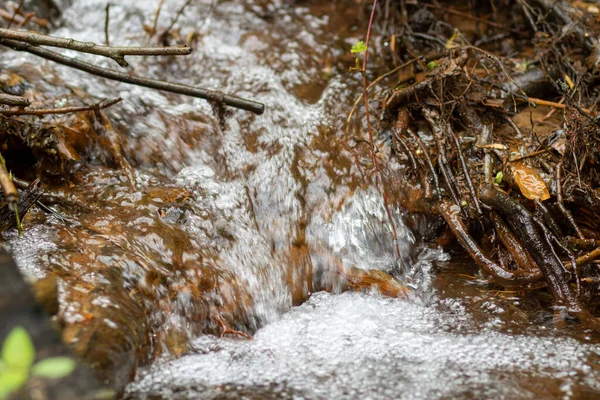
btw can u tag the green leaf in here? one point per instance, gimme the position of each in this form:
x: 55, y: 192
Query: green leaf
x: 358, y: 47
x: 11, y: 380
x: 54, y: 368
x: 18, y: 350
x: 498, y: 178
x: 431, y: 64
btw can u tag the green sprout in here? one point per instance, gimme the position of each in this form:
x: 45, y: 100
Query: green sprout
x: 431, y: 65
x: 358, y: 47
x: 16, y: 363
x: 464, y: 203
x: 498, y: 178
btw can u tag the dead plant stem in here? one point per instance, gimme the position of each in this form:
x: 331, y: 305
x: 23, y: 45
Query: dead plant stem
x: 378, y: 179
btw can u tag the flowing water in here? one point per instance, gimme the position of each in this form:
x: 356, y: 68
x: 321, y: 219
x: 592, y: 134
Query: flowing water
x: 243, y: 219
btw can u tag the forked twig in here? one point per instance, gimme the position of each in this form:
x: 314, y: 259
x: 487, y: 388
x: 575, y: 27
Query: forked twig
x: 62, y: 110
x: 116, y: 53
x: 211, y: 95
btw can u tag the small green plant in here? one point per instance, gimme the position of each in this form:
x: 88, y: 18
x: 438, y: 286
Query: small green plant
x: 498, y: 178
x: 431, y: 64
x: 16, y: 364
x: 357, y: 48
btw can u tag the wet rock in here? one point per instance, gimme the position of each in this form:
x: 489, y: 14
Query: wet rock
x: 19, y: 308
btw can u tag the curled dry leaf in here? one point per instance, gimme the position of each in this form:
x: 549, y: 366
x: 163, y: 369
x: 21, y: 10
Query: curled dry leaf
x: 494, y: 146
x: 530, y: 182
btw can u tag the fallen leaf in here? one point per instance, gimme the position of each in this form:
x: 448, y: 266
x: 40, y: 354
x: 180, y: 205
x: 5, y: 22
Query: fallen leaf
x: 530, y: 182
x: 496, y: 146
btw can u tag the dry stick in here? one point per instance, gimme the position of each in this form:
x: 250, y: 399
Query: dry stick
x: 370, y: 130
x: 6, y: 16
x: 512, y: 244
x: 409, y: 153
x: 466, y: 15
x: 10, y: 192
x: 210, y: 95
x: 451, y: 213
x: 552, y: 111
x: 10, y: 100
x: 433, y: 120
x: 376, y: 81
x: 589, y: 257
x: 9, y: 216
x: 541, y: 102
x: 559, y: 200
x: 116, y: 53
x: 484, y: 139
x: 421, y: 145
x: 64, y: 110
x: 583, y: 244
x: 461, y: 157
x: 549, y: 219
x: 536, y: 242
x: 8, y: 187
x: 156, y: 15
x: 529, y: 155
x: 551, y: 238
x: 106, y: 23
x: 15, y: 13
x: 179, y: 13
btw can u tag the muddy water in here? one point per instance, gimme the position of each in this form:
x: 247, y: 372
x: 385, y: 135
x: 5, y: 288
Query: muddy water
x: 235, y: 223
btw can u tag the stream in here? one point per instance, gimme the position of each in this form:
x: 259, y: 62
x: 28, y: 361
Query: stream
x: 244, y: 219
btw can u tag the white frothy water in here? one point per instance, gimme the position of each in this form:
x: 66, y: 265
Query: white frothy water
x: 353, y: 346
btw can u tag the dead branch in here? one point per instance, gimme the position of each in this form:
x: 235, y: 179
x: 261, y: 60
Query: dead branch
x: 64, y: 110
x: 106, y: 24
x: 528, y: 232
x: 8, y: 187
x: 451, y: 213
x: 210, y: 95
x: 10, y: 100
x: 176, y: 18
x: 589, y: 257
x: 116, y: 53
x: 28, y: 197
x: 23, y: 20
x: 512, y: 244
x: 15, y: 13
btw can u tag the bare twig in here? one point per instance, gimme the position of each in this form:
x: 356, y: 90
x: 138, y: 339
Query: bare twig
x: 465, y: 168
x: 370, y: 131
x: 10, y: 100
x: 156, y: 15
x: 116, y: 53
x: 541, y: 102
x: 529, y: 155
x: 589, y: 257
x: 106, y: 24
x: 561, y: 206
x: 376, y: 81
x: 211, y: 95
x: 174, y: 21
x: 8, y: 187
x: 10, y: 192
x: 63, y: 110
x: 21, y: 20
x: 15, y: 13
